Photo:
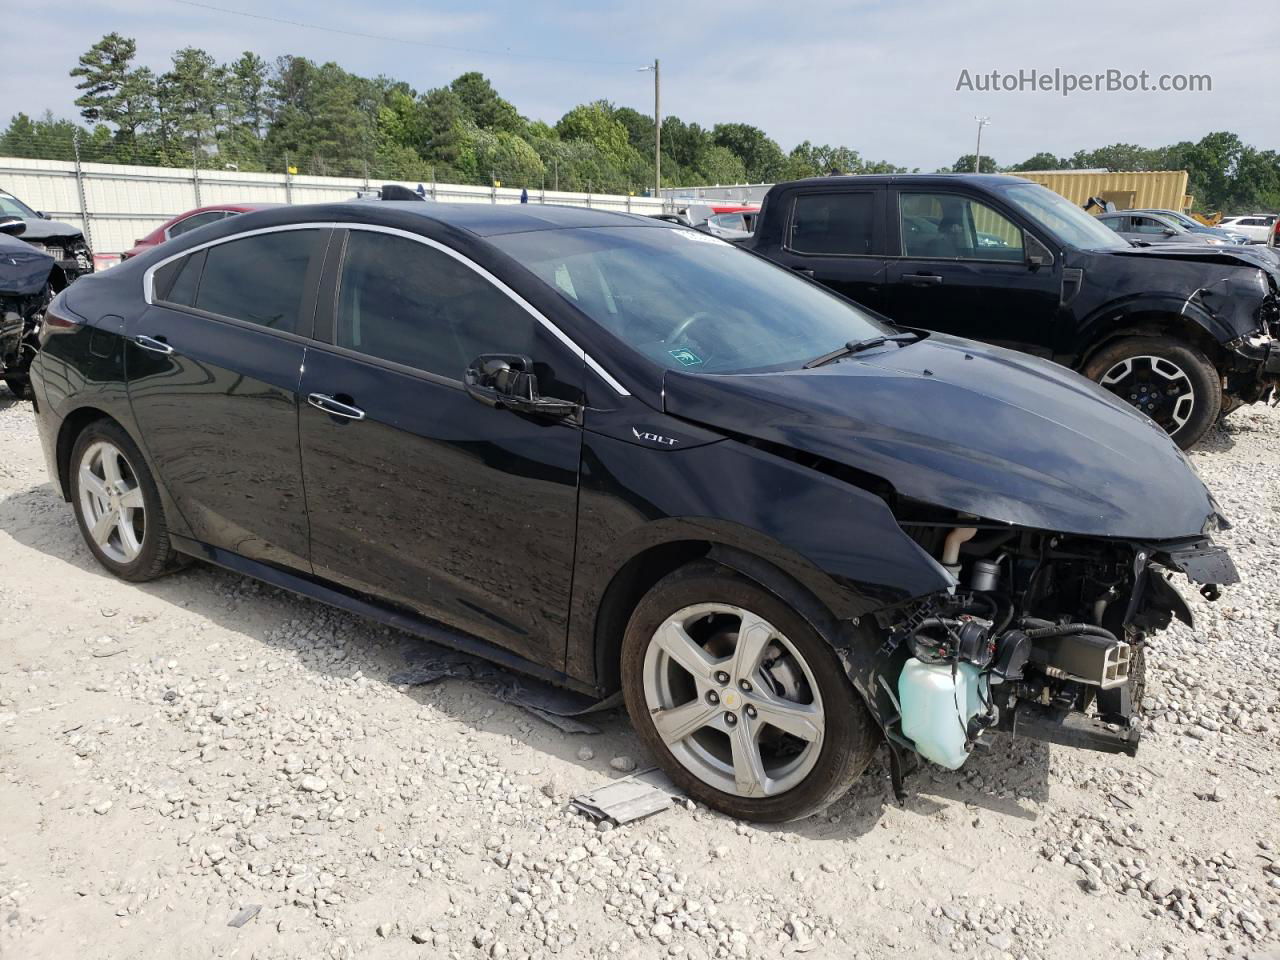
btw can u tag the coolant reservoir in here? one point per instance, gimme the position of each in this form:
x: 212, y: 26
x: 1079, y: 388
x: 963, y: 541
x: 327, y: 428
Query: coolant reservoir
x: 936, y: 708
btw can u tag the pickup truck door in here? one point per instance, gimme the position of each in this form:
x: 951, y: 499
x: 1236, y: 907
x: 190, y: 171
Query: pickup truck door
x: 836, y: 237
x: 962, y: 267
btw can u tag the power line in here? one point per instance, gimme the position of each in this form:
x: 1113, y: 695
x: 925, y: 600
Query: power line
x: 386, y: 39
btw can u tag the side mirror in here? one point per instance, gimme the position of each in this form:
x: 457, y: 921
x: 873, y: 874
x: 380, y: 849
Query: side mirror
x: 1038, y: 255
x: 506, y: 380
x: 1169, y: 232
x: 13, y: 226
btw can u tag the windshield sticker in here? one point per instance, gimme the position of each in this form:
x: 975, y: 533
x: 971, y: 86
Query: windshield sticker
x: 686, y: 358
x: 699, y: 236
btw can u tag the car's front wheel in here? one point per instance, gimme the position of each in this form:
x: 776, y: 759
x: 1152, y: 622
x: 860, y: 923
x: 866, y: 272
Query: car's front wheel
x: 742, y: 702
x: 117, y: 505
x: 1169, y: 380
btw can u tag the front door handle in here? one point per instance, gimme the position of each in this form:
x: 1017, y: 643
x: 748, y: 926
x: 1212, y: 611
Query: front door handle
x: 154, y: 344
x: 804, y: 271
x: 322, y: 401
x: 922, y: 279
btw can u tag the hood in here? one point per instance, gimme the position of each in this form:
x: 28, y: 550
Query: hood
x: 24, y: 270
x: 45, y: 230
x: 973, y: 428
x: 1252, y: 256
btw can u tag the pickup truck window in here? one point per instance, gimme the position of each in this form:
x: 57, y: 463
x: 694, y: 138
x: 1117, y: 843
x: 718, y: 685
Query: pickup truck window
x: 949, y: 226
x: 688, y: 301
x: 832, y: 223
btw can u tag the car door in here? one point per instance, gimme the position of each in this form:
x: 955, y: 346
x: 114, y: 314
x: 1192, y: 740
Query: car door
x: 961, y: 266
x: 416, y: 492
x: 213, y: 365
x: 836, y: 236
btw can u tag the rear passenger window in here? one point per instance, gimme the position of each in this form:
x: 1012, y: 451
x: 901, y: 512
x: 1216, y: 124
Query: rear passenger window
x: 177, y: 282
x: 259, y: 279
x: 838, y: 223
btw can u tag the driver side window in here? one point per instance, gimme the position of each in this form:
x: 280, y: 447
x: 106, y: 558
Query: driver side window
x: 947, y: 226
x: 409, y: 303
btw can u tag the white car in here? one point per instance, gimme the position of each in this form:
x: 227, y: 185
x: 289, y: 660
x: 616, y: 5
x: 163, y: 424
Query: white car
x: 1257, y: 227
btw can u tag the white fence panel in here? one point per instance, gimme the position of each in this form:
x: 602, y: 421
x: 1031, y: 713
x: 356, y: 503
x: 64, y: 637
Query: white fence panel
x: 126, y: 202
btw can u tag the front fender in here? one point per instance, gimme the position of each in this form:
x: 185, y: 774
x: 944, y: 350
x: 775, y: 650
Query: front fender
x: 839, y: 542
x: 1118, y: 315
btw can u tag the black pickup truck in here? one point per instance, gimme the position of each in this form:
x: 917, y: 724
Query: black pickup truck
x: 1182, y: 333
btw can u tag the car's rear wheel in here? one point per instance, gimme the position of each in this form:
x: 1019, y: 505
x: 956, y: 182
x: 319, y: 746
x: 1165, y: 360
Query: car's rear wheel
x: 117, y: 504
x: 741, y: 701
x: 1167, y: 379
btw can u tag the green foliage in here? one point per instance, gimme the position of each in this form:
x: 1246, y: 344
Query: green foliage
x: 1039, y: 161
x: 965, y: 164
x: 318, y: 118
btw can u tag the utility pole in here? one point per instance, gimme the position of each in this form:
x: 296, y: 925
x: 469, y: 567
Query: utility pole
x: 657, y: 128
x: 977, y: 156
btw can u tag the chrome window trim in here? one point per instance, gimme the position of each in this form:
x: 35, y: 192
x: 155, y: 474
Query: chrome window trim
x: 148, y: 280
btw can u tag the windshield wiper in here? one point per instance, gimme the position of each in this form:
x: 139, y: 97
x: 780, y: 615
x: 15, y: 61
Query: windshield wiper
x: 857, y: 346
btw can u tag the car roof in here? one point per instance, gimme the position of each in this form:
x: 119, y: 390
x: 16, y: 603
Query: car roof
x: 481, y: 219
x: 989, y: 180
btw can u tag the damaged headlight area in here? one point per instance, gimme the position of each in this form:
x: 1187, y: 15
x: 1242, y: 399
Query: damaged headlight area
x: 1043, y: 635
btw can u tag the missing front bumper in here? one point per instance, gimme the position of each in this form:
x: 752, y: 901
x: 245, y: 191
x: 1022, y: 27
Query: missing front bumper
x: 1069, y: 728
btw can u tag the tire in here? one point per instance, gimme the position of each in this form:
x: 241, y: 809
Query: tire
x: 1167, y: 379
x: 136, y: 546
x: 799, y: 683
x: 20, y: 387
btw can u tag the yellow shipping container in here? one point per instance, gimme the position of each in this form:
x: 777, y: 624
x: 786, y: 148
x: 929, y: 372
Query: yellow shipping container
x: 1141, y: 189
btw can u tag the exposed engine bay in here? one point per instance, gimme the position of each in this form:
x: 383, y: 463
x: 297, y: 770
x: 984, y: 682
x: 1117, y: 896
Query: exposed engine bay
x: 1043, y: 635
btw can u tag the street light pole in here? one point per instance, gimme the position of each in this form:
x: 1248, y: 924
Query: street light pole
x: 977, y: 156
x: 657, y: 132
x: 657, y: 128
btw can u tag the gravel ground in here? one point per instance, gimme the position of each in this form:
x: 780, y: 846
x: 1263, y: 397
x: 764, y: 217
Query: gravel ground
x: 175, y: 752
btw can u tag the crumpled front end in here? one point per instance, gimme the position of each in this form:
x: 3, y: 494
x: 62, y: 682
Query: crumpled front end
x: 1043, y: 635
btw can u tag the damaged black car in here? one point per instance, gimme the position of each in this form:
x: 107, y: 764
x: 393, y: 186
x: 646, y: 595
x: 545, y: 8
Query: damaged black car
x: 628, y: 458
x: 25, y: 291
x: 38, y: 258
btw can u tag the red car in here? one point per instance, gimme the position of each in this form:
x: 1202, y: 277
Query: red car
x: 189, y: 221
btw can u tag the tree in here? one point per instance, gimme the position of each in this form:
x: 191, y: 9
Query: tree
x: 191, y: 92
x: 762, y: 157
x: 114, y: 92
x: 483, y: 106
x: 722, y: 165
x: 1041, y: 161
x: 965, y: 165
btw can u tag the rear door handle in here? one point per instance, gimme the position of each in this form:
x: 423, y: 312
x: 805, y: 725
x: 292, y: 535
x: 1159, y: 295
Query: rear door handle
x: 322, y: 401
x: 922, y: 279
x: 154, y: 344
x: 804, y: 271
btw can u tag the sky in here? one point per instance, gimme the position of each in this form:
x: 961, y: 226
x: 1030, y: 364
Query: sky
x: 877, y: 76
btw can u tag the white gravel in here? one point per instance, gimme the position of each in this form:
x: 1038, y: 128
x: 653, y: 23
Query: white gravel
x: 173, y: 753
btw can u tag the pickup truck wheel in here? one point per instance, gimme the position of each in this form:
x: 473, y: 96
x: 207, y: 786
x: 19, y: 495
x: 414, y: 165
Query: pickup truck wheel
x: 1169, y: 380
x: 740, y: 700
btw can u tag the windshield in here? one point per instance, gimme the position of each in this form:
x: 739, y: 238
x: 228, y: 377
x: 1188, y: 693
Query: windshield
x: 11, y: 206
x: 1068, y: 222
x: 689, y: 301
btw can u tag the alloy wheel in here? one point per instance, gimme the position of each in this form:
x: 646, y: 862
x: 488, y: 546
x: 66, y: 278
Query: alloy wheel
x: 111, y: 502
x: 1155, y: 385
x: 733, y: 700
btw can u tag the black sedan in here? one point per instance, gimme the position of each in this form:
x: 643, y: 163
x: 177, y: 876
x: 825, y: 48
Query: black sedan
x: 629, y: 458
